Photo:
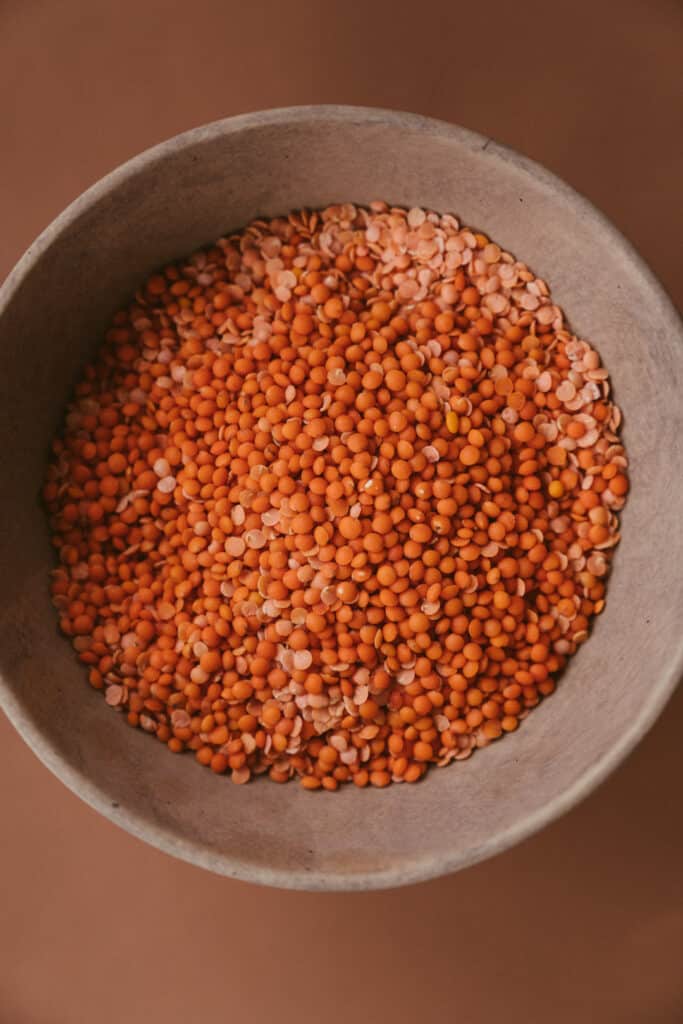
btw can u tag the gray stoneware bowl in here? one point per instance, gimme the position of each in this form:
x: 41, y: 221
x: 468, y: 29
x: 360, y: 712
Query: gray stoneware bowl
x: 188, y: 191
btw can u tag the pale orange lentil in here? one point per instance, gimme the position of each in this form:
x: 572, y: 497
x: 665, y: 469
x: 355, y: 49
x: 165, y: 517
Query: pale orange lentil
x: 337, y: 499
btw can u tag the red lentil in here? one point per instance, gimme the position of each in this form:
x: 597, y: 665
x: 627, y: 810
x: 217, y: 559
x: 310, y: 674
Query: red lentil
x: 336, y: 500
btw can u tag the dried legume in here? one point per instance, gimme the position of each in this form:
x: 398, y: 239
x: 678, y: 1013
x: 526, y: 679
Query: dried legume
x: 336, y: 500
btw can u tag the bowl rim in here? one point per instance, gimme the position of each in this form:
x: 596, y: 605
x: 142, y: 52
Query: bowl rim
x: 417, y: 869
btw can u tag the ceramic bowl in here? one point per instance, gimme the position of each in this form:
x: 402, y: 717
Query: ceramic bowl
x: 162, y: 204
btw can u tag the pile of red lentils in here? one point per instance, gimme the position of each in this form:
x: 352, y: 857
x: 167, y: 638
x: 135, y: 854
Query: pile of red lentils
x: 337, y: 499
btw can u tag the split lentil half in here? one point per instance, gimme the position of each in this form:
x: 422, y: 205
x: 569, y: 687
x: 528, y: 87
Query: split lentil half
x: 336, y: 499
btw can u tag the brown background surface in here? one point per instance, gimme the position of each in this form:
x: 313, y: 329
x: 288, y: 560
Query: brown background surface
x: 583, y: 922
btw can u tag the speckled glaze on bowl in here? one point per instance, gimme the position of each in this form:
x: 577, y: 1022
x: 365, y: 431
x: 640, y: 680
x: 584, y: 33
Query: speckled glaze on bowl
x: 188, y: 191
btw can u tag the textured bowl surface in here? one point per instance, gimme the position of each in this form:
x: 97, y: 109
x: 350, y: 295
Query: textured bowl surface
x: 188, y: 191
